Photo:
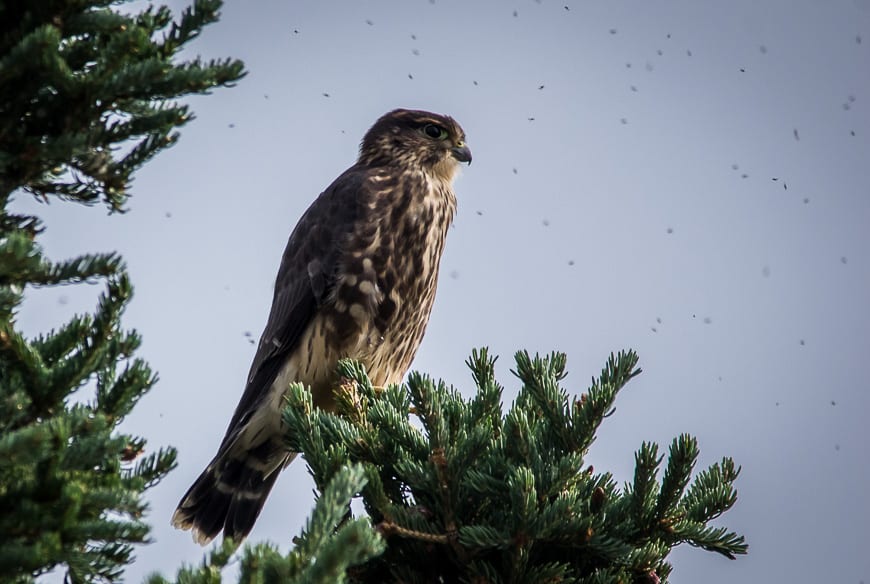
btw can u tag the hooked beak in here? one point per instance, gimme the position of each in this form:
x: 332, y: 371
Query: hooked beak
x: 461, y: 153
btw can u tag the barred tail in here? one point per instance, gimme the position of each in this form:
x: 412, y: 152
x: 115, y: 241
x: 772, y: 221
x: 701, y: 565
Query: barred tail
x: 230, y: 493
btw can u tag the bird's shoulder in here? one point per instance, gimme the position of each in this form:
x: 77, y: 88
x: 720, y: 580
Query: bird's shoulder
x: 358, y: 181
x: 345, y: 199
x: 322, y: 233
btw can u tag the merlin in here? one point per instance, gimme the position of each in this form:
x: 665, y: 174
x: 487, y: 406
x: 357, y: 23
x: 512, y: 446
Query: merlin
x: 357, y: 279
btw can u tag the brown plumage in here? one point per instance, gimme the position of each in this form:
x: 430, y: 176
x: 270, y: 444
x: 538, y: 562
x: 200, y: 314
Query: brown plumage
x: 357, y: 280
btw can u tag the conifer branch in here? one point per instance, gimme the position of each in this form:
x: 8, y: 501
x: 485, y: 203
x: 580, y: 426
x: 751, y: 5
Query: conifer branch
x: 478, y: 493
x: 85, y: 94
x: 78, y: 80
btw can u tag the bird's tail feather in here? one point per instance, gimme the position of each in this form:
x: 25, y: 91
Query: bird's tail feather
x: 228, y: 495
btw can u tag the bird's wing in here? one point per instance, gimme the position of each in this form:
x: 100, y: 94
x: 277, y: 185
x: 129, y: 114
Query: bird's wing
x: 305, y: 279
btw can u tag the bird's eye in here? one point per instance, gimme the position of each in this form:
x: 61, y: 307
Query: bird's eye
x: 435, y: 132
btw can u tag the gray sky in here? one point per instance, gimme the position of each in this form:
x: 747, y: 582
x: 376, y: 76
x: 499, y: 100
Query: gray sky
x: 628, y: 190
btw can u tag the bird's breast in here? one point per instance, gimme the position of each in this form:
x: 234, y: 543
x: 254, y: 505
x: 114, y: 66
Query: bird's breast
x: 385, y: 287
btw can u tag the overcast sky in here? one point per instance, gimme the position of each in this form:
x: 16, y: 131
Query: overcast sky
x: 688, y: 179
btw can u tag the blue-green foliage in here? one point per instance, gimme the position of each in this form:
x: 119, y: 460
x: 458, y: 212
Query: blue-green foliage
x: 476, y: 494
x: 85, y: 99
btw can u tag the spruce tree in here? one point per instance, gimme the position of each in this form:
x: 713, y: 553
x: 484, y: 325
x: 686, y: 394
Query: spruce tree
x: 86, y: 97
x: 478, y: 494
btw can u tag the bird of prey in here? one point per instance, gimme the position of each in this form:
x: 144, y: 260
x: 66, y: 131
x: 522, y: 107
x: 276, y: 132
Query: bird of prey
x: 357, y: 279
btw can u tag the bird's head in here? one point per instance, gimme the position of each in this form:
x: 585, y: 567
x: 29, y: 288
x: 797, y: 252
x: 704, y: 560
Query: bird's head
x: 432, y: 142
